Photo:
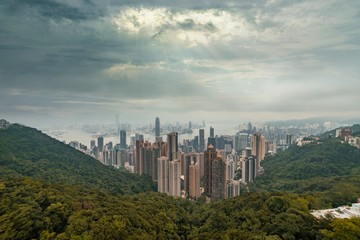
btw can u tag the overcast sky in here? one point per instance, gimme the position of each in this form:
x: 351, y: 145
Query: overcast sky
x: 87, y: 60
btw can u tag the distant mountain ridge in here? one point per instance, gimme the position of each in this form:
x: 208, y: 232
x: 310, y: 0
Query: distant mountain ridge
x: 313, y: 120
x: 27, y: 152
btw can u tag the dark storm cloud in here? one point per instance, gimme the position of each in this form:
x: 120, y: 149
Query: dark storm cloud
x: 56, y: 9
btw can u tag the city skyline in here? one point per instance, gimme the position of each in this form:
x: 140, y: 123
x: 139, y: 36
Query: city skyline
x: 86, y: 61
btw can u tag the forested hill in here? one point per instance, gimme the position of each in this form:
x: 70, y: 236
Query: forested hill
x: 26, y: 152
x: 328, y: 168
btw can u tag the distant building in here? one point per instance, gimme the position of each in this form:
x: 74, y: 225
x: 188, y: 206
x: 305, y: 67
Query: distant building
x: 243, y: 141
x: 75, y: 144
x: 304, y: 140
x: 174, y: 178
x: 215, y: 174
x: 169, y: 173
x: 200, y: 159
x: 230, y: 168
x: 195, y: 143
x: 194, y: 181
x: 163, y: 174
x: 345, y: 132
x: 233, y: 188
x: 201, y: 140
x: 172, y: 146
x: 211, y: 141
x: 288, y: 139
x: 340, y: 212
x: 249, y: 168
x: 92, y: 144
x: 100, y: 141
x: 157, y: 127
x: 218, y: 184
x: 186, y: 162
x: 209, y: 156
x: 212, y: 132
x: 139, y: 156
x: 139, y: 137
x: 353, y: 141
x: 123, y: 144
x: 259, y: 148
x: 337, y: 132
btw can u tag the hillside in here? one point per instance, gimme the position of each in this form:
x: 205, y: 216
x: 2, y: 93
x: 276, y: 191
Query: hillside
x: 34, y: 209
x: 328, y: 168
x: 26, y: 152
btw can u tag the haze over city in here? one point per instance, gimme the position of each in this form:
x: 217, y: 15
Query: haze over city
x: 68, y: 61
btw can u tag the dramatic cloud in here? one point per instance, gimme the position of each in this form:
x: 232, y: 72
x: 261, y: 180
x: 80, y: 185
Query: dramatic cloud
x: 88, y: 60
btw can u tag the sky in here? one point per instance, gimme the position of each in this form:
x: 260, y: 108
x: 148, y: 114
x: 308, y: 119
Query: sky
x: 67, y: 61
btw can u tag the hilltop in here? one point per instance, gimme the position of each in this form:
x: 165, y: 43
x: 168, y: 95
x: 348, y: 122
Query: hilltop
x: 326, y: 168
x: 27, y: 152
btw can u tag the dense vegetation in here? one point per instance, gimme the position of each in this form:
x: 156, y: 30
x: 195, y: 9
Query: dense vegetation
x: 33, y: 209
x: 26, y: 152
x: 51, y: 191
x: 327, y: 169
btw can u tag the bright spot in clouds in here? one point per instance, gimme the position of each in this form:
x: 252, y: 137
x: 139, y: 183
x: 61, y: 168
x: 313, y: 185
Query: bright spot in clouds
x: 193, y: 27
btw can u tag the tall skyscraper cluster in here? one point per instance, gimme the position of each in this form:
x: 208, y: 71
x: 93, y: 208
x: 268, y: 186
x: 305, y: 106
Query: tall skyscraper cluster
x: 177, y: 168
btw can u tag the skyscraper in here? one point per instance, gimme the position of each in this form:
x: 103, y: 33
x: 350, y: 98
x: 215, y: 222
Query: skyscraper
x: 195, y: 143
x: 233, y: 188
x: 163, y: 174
x: 230, y: 168
x: 258, y: 146
x: 218, y: 183
x: 194, y: 180
x: 201, y: 140
x: 139, y: 137
x: 138, y: 157
x: 211, y: 141
x: 209, y: 156
x: 249, y: 128
x: 186, y: 172
x: 156, y: 154
x: 92, y: 144
x: 212, y: 132
x: 174, y: 178
x: 249, y: 168
x: 122, y: 139
x: 243, y: 141
x: 172, y: 146
x: 100, y: 141
x: 157, y: 127
x: 288, y: 139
